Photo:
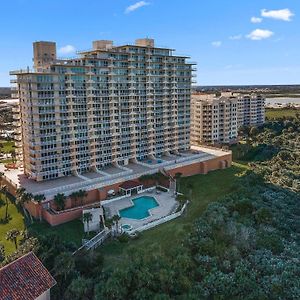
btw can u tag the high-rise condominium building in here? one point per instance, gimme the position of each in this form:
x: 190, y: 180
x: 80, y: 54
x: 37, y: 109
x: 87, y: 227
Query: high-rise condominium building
x: 251, y: 110
x: 108, y: 106
x: 216, y: 119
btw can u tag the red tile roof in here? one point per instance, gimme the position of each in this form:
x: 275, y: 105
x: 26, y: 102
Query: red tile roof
x: 24, y: 279
x: 130, y: 184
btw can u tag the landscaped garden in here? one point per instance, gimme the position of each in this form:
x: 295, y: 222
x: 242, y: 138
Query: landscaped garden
x: 238, y: 239
x: 71, y: 232
x: 15, y: 220
x: 201, y: 190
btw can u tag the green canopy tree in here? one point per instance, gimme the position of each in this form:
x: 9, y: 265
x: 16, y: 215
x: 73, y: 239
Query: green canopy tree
x: 81, y: 194
x: 39, y: 199
x: 12, y: 235
x: 87, y: 218
x: 60, y: 201
x: 4, y: 191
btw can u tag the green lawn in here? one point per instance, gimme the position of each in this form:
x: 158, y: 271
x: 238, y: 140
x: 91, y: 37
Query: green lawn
x: 275, y: 113
x: 16, y: 220
x: 69, y: 232
x: 206, y: 189
x: 7, y: 146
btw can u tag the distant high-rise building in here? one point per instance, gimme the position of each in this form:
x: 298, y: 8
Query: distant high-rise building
x: 110, y: 105
x: 216, y: 119
x: 251, y: 110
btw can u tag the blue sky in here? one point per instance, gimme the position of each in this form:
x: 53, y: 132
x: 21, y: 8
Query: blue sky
x: 233, y: 42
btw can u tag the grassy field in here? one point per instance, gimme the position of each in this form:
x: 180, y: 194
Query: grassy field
x: 16, y: 221
x: 206, y: 189
x: 69, y: 232
x: 7, y: 146
x: 275, y: 113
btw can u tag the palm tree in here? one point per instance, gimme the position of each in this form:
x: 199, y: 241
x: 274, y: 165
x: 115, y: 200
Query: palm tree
x: 1, y: 177
x: 23, y: 198
x: 81, y: 194
x: 12, y: 236
x: 87, y: 218
x: 74, y: 196
x: 4, y: 191
x: 177, y: 178
x: 144, y: 179
x: 13, y: 156
x: 116, y: 219
x: 2, y: 253
x: 39, y: 199
x: 59, y: 200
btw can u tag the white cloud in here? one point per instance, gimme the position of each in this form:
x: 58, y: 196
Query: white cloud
x: 259, y: 34
x: 68, y: 49
x: 235, y: 37
x: 136, y: 6
x: 216, y: 44
x: 256, y: 20
x: 281, y: 14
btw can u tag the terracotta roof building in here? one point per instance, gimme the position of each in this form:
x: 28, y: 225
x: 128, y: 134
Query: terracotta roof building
x: 25, y: 279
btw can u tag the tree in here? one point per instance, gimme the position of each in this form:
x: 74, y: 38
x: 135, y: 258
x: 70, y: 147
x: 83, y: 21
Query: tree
x: 64, y: 265
x: 116, y: 219
x: 74, y: 196
x: 59, y: 200
x: 1, y: 177
x: 22, y: 198
x: 12, y: 236
x: 13, y: 156
x: 80, y: 289
x: 177, y: 178
x: 4, y: 191
x: 2, y: 253
x: 39, y: 199
x: 81, y: 194
x: 144, y: 179
x: 87, y: 218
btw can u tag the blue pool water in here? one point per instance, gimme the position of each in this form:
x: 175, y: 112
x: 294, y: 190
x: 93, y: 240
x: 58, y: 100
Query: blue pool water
x: 141, y: 207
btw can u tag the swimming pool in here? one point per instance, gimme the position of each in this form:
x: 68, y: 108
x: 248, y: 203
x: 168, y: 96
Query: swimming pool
x: 140, y: 209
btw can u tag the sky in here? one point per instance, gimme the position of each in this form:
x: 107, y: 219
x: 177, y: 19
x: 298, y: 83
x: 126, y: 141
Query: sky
x: 233, y: 42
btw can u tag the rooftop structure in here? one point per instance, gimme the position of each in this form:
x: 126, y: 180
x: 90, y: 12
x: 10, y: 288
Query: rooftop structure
x: 25, y: 278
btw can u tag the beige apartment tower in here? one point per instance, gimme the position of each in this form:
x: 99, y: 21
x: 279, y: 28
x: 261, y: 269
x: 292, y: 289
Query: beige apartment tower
x: 215, y: 120
x: 109, y: 106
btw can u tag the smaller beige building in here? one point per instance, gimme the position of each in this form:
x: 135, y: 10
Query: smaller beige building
x: 215, y: 120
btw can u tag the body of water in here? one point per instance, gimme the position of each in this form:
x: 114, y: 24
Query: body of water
x: 140, y: 209
x: 282, y: 101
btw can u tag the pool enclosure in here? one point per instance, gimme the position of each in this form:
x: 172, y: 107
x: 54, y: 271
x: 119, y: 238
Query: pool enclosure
x: 131, y: 187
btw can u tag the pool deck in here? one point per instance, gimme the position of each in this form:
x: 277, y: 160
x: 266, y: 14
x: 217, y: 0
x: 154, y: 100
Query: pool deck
x: 110, y: 175
x: 166, y: 201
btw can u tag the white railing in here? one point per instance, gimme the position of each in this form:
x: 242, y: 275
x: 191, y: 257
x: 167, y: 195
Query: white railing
x: 160, y: 221
x: 119, y: 177
x: 95, y: 242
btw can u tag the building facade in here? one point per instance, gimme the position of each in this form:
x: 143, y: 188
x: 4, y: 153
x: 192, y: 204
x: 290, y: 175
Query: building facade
x: 109, y: 106
x: 215, y: 120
